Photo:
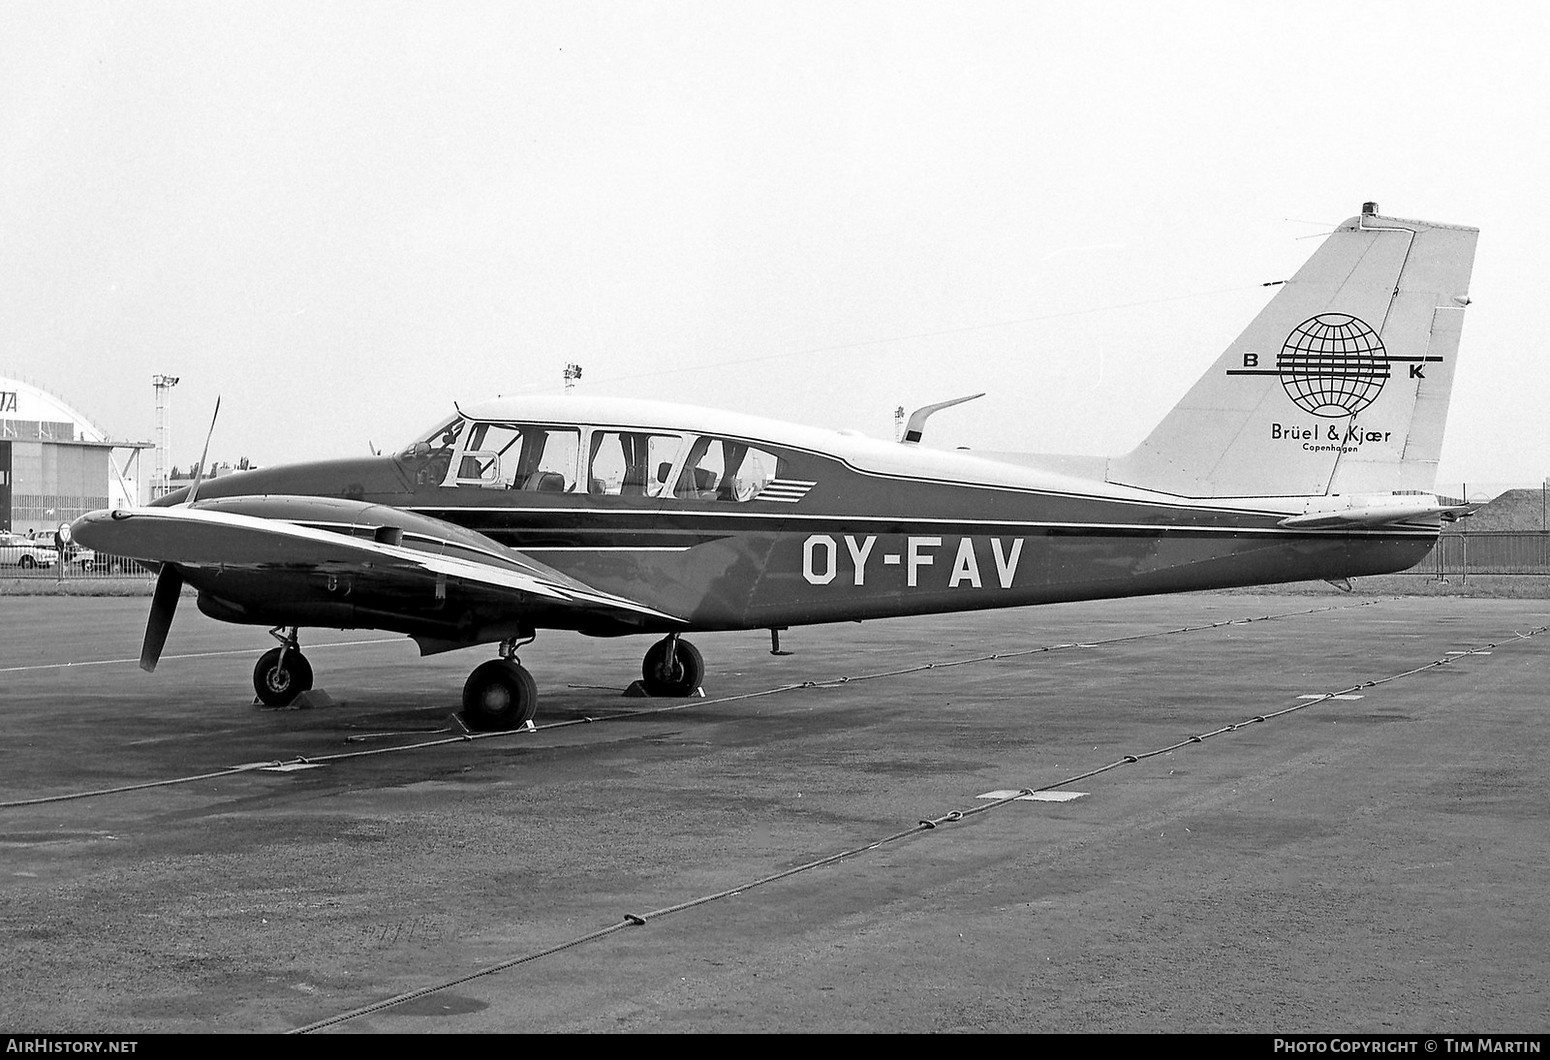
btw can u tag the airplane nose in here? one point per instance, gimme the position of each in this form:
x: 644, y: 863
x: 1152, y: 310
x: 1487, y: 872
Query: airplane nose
x: 88, y: 529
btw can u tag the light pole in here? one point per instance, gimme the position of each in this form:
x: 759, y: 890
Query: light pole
x: 161, y: 384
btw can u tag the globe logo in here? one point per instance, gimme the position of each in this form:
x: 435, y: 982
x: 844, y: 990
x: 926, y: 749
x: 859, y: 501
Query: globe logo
x: 1333, y: 365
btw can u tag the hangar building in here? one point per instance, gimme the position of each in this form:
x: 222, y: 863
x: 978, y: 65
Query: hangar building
x: 55, y: 464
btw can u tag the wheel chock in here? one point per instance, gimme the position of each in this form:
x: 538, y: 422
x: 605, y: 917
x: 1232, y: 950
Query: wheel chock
x: 637, y: 690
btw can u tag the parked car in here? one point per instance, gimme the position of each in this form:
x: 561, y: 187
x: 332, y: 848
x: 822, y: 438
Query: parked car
x: 18, y: 551
x: 86, y: 560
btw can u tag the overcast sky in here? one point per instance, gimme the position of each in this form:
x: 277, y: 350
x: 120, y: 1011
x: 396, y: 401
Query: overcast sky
x: 342, y: 217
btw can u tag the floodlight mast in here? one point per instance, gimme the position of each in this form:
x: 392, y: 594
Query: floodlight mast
x: 160, y: 482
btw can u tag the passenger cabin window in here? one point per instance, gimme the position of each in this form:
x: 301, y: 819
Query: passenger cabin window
x: 520, y: 456
x: 631, y: 463
x: 720, y: 469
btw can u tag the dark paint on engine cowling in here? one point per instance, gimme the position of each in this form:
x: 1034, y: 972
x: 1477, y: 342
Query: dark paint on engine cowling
x: 356, y: 478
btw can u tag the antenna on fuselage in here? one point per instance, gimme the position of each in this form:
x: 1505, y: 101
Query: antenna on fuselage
x: 917, y: 424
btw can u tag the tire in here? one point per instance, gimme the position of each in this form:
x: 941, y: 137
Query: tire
x: 499, y: 695
x: 277, y: 686
x: 678, y: 675
x: 27, y: 563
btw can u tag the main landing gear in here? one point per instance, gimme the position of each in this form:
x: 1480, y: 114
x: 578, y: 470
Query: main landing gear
x: 282, y: 673
x: 500, y: 694
x: 673, y: 667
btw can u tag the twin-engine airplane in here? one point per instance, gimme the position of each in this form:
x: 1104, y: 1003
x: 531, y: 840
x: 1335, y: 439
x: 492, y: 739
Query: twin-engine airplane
x: 1308, y: 450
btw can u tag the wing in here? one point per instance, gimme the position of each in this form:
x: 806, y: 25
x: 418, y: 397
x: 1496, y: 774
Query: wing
x: 336, y: 562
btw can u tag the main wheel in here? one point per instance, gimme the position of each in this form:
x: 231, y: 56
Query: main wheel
x: 499, y: 695
x: 673, y: 667
x: 277, y: 683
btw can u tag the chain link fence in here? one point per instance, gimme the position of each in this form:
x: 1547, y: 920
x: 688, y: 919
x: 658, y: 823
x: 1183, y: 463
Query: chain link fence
x: 73, y: 564
x: 1488, y: 552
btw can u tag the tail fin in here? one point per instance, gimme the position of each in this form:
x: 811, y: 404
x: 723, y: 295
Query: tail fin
x: 1339, y: 386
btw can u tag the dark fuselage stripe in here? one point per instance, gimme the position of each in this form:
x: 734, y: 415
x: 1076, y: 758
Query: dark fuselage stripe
x: 533, y: 519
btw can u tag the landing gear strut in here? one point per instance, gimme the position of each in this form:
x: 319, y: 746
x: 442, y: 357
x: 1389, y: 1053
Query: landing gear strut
x: 282, y: 673
x: 500, y: 694
x: 673, y: 667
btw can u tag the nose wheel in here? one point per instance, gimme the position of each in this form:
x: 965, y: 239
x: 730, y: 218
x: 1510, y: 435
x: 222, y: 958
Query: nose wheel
x: 500, y: 694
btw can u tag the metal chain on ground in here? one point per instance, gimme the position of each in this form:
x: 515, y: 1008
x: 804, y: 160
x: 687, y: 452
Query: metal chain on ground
x: 461, y: 735
x: 928, y: 825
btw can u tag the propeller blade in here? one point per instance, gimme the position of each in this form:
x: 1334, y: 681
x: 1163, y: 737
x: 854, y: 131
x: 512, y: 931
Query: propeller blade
x: 199, y: 476
x: 169, y: 585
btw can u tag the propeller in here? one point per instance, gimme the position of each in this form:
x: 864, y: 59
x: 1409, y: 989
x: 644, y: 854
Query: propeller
x: 169, y: 586
x: 169, y: 582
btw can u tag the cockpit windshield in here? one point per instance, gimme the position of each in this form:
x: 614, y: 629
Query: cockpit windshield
x: 443, y: 436
x: 430, y: 455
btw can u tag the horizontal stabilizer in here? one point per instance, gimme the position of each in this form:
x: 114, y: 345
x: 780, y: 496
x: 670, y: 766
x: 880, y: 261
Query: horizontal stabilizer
x: 1375, y: 515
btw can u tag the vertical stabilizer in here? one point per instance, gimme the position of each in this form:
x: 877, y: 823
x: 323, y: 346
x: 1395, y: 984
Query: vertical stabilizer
x: 1340, y: 385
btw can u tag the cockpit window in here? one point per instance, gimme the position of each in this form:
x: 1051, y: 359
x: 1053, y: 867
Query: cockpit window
x: 631, y: 463
x: 721, y: 469
x: 429, y: 458
x: 443, y: 436
x: 521, y: 456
